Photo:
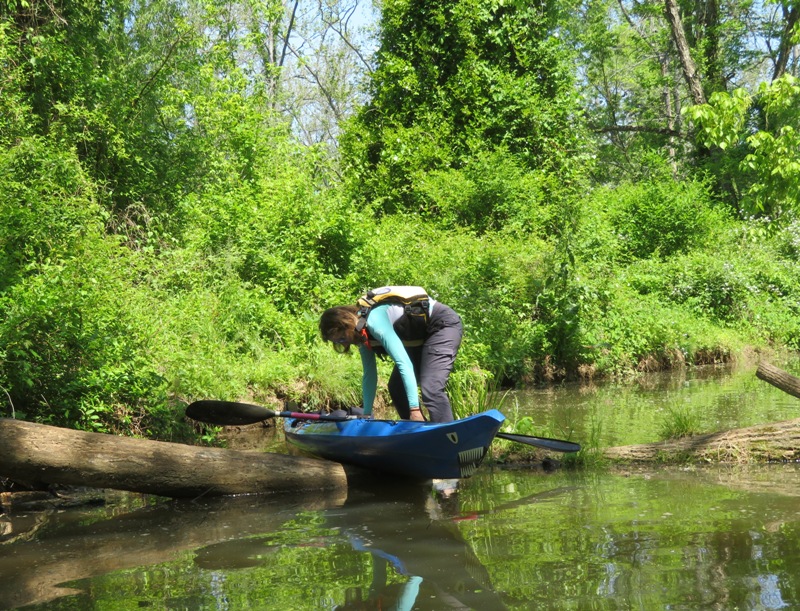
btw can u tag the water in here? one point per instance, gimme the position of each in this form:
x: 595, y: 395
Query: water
x: 613, y: 414
x: 624, y: 538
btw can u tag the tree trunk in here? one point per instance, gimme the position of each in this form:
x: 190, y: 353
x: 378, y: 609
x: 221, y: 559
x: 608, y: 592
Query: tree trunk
x: 50, y: 455
x: 785, y: 47
x: 778, y: 441
x: 684, y: 53
x: 779, y: 378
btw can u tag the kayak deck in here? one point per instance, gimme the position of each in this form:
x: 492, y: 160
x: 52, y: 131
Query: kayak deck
x: 419, y: 450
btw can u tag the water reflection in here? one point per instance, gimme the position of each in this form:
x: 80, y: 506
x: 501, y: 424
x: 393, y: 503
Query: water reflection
x: 418, y: 557
x: 408, y: 533
x: 508, y: 539
x: 72, y: 547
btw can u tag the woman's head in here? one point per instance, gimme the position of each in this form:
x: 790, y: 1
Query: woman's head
x: 338, y: 325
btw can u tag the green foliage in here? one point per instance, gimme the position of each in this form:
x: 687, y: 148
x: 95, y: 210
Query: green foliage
x: 74, y: 353
x: 770, y: 166
x: 47, y: 208
x: 493, y: 287
x: 659, y: 217
x: 220, y: 340
x: 679, y: 422
x: 625, y: 331
x: 454, y: 81
x: 752, y: 290
x: 385, y: 175
x: 15, y: 111
x: 492, y: 192
x: 163, y: 236
x: 472, y: 391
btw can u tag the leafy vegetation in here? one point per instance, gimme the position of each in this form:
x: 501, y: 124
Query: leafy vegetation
x: 175, y: 214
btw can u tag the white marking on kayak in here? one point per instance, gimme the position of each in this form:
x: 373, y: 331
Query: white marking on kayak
x: 469, y: 460
x: 453, y: 437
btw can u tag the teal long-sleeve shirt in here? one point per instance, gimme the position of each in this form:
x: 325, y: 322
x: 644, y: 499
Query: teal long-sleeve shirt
x: 380, y: 327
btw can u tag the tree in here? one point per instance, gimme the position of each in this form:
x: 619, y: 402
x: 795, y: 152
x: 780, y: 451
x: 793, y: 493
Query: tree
x: 455, y: 78
x: 644, y: 63
x: 684, y: 53
x: 769, y: 166
x: 328, y: 58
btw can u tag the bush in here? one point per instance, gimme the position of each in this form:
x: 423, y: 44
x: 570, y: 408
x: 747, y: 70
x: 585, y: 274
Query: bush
x: 284, y: 233
x: 491, y: 192
x: 75, y: 355
x: 658, y: 218
x: 73, y: 351
x: 492, y: 282
x: 47, y: 208
x: 625, y: 331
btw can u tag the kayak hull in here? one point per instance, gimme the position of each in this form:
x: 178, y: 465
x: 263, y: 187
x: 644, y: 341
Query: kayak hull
x: 418, y: 450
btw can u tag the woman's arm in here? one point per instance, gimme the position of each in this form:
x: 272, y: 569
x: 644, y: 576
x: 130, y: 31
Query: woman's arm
x: 369, y: 378
x: 380, y: 326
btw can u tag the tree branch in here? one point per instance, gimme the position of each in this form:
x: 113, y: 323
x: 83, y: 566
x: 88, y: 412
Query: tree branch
x: 662, y: 131
x: 785, y: 45
x: 288, y: 33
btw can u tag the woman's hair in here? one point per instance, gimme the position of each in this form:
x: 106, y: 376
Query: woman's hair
x: 339, y: 322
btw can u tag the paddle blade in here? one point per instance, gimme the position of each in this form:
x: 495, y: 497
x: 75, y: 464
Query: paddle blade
x: 227, y: 413
x: 556, y: 445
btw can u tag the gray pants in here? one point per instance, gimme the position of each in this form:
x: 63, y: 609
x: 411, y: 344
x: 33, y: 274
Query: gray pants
x: 433, y: 362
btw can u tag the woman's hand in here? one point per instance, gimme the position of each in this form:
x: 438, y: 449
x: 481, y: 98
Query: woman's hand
x: 416, y: 414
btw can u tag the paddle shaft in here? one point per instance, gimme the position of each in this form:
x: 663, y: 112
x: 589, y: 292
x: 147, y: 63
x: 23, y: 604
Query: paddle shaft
x: 304, y: 416
x: 227, y: 413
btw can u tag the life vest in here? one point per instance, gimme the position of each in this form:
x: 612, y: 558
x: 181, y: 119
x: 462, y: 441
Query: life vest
x: 411, y: 328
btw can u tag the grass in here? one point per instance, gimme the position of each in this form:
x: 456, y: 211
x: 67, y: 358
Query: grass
x: 473, y: 391
x: 679, y: 422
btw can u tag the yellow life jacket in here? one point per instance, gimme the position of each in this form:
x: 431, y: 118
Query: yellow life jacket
x: 414, y: 300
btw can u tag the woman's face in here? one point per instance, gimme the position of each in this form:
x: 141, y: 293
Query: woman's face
x: 341, y: 344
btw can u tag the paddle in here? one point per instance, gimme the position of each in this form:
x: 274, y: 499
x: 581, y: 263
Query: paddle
x: 557, y: 445
x: 230, y: 413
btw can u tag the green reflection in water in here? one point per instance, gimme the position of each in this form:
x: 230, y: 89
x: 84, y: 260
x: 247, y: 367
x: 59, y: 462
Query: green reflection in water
x: 642, y: 539
x: 720, y: 398
x: 652, y: 540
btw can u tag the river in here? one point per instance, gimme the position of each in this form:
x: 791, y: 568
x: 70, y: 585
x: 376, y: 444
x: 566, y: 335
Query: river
x: 678, y: 537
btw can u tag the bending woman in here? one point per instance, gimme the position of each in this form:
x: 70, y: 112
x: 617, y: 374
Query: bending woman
x: 423, y: 350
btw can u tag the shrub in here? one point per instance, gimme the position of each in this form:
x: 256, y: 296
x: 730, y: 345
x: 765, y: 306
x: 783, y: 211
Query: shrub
x: 660, y: 217
x: 47, y: 208
x: 490, y: 281
x: 491, y: 192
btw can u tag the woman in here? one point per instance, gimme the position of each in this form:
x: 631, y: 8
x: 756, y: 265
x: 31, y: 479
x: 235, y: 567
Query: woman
x: 423, y: 348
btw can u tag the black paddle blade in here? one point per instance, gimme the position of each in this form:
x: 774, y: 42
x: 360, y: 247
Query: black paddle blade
x: 557, y: 445
x: 227, y: 413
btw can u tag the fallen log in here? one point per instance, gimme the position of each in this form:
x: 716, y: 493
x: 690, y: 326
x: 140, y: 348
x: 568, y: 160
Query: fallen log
x: 44, y: 454
x: 778, y: 441
x: 779, y: 378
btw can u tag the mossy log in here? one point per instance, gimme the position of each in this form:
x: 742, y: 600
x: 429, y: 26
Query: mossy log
x: 778, y: 441
x: 44, y: 454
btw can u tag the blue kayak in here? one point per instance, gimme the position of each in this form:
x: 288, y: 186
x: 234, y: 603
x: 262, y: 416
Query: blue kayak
x: 419, y: 450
